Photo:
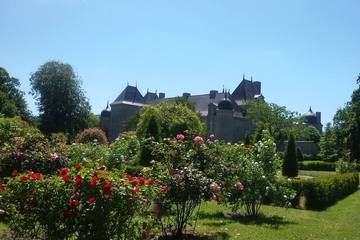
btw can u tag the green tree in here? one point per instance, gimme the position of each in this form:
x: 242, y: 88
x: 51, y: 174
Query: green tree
x: 173, y: 119
x: 62, y: 103
x: 279, y: 121
x: 354, y: 135
x: 310, y: 133
x: 290, y: 164
x: 328, y: 145
x: 12, y: 102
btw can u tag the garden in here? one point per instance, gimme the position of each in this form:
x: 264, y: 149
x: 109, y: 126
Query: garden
x: 166, y: 178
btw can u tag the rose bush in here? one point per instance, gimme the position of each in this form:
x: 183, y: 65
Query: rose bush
x: 79, y: 203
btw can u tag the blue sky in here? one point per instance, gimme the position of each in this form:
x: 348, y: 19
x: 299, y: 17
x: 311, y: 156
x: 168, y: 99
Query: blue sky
x: 305, y: 52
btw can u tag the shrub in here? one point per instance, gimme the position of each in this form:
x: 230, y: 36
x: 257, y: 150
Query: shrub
x: 124, y: 149
x: 253, y: 180
x: 89, y: 154
x: 173, y: 119
x: 79, y: 203
x: 317, y: 166
x: 92, y: 134
x: 322, y: 192
x: 345, y: 165
x: 26, y: 149
x: 290, y: 164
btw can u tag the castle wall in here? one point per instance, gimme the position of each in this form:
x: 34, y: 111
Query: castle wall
x: 119, y: 114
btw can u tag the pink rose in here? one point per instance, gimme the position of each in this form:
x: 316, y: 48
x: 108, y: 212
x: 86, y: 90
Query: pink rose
x: 215, y: 188
x: 239, y: 186
x: 180, y: 137
x: 54, y: 156
x: 198, y: 140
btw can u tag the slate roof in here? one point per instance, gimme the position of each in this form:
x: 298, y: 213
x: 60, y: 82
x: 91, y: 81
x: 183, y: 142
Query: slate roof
x: 130, y: 95
x: 246, y: 90
x: 149, y: 96
x: 200, y: 102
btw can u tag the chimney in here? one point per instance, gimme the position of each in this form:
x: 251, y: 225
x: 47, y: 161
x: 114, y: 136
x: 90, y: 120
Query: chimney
x: 161, y: 95
x: 186, y: 95
x: 213, y: 94
x: 257, y: 87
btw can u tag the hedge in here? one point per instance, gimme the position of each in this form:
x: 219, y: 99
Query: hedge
x: 322, y: 192
x: 317, y: 166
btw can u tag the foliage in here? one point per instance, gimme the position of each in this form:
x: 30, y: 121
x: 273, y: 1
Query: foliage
x: 25, y: 148
x: 88, y: 154
x: 12, y: 102
x: 124, y: 149
x: 328, y: 145
x: 79, y: 203
x: 279, y: 121
x: 173, y: 119
x: 253, y: 180
x: 345, y: 165
x: 310, y: 133
x: 93, y: 121
x: 290, y: 163
x: 92, y: 134
x: 62, y: 103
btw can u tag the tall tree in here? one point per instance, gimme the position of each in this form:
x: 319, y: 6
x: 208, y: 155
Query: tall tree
x: 354, y: 135
x: 62, y: 103
x: 328, y: 145
x: 290, y: 164
x: 12, y: 102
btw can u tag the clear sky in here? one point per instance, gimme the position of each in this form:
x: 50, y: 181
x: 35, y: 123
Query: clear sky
x: 305, y: 52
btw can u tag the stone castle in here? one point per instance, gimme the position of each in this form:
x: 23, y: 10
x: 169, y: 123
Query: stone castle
x: 223, y: 112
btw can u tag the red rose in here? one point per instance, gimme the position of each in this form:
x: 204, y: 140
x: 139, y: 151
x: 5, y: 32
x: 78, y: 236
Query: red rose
x: 66, y: 178
x: 77, y: 180
x: 102, y: 168
x: 2, y: 186
x: 134, y: 190
x: 35, y: 176
x: 24, y: 178
x: 20, y: 155
x: 107, y: 188
x: 74, y: 203
x: 141, y: 181
x: 77, y: 167
x: 135, y: 183
x: 164, y: 188
x: 14, y: 173
x: 92, y: 182
x: 64, y: 171
x: 67, y: 213
x: 151, y: 182
x: 91, y: 200
x: 239, y: 186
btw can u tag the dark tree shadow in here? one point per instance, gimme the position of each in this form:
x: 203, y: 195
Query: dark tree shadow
x: 214, y: 236
x: 274, y: 221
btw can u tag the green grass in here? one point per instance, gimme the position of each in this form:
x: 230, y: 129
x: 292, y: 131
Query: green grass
x: 315, y: 173
x: 341, y: 221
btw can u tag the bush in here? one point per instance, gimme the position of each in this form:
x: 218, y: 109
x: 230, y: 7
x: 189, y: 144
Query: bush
x: 290, y: 163
x: 89, y: 154
x: 322, y: 192
x: 173, y: 119
x: 317, y: 166
x: 124, y: 149
x: 24, y: 148
x: 79, y: 203
x: 92, y: 134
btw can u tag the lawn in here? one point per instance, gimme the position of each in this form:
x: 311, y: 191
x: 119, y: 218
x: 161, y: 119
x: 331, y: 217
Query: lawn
x: 341, y: 221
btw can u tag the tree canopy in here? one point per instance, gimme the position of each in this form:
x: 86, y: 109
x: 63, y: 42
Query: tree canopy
x: 12, y: 102
x: 62, y: 103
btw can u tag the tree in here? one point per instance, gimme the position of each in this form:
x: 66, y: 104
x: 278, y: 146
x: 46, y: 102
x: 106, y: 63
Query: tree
x: 279, y: 121
x: 328, y: 145
x: 12, y: 102
x: 354, y: 135
x: 290, y: 163
x: 310, y: 133
x: 61, y: 101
